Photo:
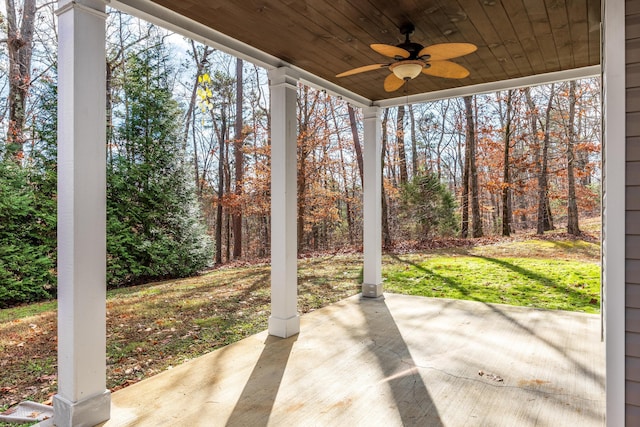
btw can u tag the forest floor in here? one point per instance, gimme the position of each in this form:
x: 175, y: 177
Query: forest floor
x: 153, y: 327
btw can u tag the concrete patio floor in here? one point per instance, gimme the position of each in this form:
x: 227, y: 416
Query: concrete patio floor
x: 395, y: 361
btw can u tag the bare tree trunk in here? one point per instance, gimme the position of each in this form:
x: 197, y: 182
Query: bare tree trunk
x: 227, y: 225
x: 302, y: 184
x: 506, y: 181
x: 386, y: 235
x: 582, y: 156
x: 464, y: 229
x: 522, y: 205
x: 572, y: 207
x: 439, y: 154
x: 473, y: 173
x: 265, y: 223
x: 221, y: 160
x: 548, y: 216
x: 494, y: 212
x: 356, y: 141
x: 109, y: 113
x: 533, y: 113
x: 345, y: 180
x: 518, y: 193
x: 402, y: 157
x: 265, y: 220
x: 20, y: 48
x: 414, y: 143
x: 200, y: 64
x: 458, y: 162
x: 302, y: 160
x: 306, y: 111
x: 238, y: 156
x: 543, y: 218
x: 196, y: 163
x: 440, y: 140
x: 190, y: 114
x: 544, y: 207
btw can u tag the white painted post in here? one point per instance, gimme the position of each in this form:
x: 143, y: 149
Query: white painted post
x: 83, y: 398
x: 372, y: 204
x: 284, y: 321
x: 613, y: 200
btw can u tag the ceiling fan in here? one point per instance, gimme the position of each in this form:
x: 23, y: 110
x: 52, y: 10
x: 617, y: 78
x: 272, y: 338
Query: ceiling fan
x: 411, y: 59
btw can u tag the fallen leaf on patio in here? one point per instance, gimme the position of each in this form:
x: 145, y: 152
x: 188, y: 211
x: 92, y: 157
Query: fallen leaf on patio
x: 9, y: 411
x: 490, y: 376
x: 34, y: 414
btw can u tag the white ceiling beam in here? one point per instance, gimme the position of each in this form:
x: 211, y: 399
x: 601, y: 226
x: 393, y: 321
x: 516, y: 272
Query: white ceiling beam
x: 534, y: 80
x: 173, y: 21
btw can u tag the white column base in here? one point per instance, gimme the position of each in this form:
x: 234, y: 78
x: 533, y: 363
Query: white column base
x: 284, y: 328
x: 371, y: 291
x: 88, y: 412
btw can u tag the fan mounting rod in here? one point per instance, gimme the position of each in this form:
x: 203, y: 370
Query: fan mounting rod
x: 407, y: 29
x: 411, y: 47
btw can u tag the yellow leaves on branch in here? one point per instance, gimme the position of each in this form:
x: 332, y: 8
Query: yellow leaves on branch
x: 204, y: 93
x: 204, y: 78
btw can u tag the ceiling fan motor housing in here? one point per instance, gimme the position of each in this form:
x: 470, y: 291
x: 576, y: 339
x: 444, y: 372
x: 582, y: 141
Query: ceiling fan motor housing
x: 412, y: 48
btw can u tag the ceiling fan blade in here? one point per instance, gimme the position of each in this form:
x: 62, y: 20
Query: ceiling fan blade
x: 390, y: 51
x: 442, y: 51
x: 392, y: 83
x: 362, y: 69
x: 447, y: 69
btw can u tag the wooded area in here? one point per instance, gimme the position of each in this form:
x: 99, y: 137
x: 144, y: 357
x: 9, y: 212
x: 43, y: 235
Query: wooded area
x: 188, y: 169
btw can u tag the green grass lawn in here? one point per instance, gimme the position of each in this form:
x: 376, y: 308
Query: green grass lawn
x: 542, y: 283
x: 154, y: 326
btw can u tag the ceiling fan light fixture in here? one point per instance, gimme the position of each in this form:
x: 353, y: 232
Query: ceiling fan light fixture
x: 407, y: 70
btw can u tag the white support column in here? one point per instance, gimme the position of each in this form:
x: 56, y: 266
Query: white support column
x: 83, y: 398
x: 613, y: 200
x: 284, y: 321
x: 372, y: 204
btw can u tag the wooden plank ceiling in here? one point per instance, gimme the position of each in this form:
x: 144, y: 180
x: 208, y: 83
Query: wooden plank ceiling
x: 515, y: 38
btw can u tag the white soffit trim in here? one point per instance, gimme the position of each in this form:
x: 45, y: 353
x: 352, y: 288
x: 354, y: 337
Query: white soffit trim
x: 534, y: 80
x: 163, y: 17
